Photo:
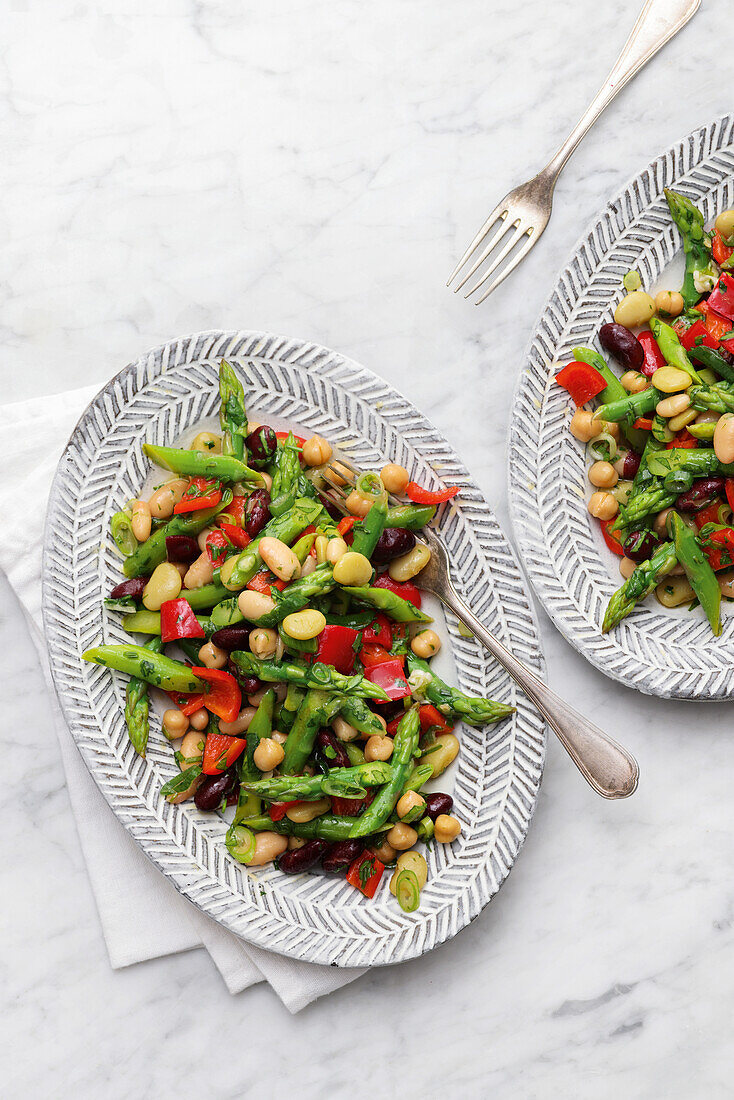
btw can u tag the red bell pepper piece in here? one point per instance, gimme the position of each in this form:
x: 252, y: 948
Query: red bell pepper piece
x: 716, y: 325
x: 365, y: 873
x: 682, y: 439
x: 401, y: 588
x: 187, y: 704
x: 643, y: 422
x: 720, y: 251
x: 220, y: 752
x: 277, y: 810
x: 729, y: 490
x: 217, y: 545
x: 236, y: 535
x: 582, y: 381
x: 235, y: 513
x: 378, y: 632
x: 282, y: 436
x: 419, y: 495
x: 653, y: 356
x: 344, y: 526
x: 264, y: 581
x: 179, y: 621
x: 611, y: 538
x: 201, y: 493
x: 710, y: 514
x: 721, y: 297
x: 431, y: 718
x: 389, y: 675
x: 720, y: 553
x: 698, y: 334
x: 371, y: 655
x: 224, y: 696
x: 336, y: 647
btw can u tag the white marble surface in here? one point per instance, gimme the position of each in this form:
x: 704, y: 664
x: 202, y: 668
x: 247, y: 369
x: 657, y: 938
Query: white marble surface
x: 314, y: 169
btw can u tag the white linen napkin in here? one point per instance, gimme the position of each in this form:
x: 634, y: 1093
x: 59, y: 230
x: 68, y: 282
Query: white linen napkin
x: 148, y: 918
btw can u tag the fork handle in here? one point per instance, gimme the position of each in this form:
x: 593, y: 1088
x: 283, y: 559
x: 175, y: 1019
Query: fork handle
x: 658, y: 21
x: 607, y: 767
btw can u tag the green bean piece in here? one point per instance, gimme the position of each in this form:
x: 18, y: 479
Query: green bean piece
x: 312, y: 715
x: 316, y: 676
x: 402, y: 611
x: 418, y: 778
x: 136, y: 706
x: 289, y: 708
x: 325, y: 827
x: 713, y: 360
x: 614, y: 390
x: 696, y: 246
x: 367, y: 533
x: 299, y: 594
x: 646, y: 576
x: 631, y: 406
x: 149, y: 622
x: 340, y: 782
x: 405, y: 747
x: 232, y: 412
x: 122, y: 532
x: 286, y: 478
x: 180, y: 782
x: 671, y: 348
x: 201, y: 464
x: 449, y: 700
x: 285, y: 528
x: 701, y: 576
x: 147, y: 665
x: 248, y: 803
x: 153, y: 551
x: 412, y: 516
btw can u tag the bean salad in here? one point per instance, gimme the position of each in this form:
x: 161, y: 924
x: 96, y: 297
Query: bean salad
x: 292, y: 645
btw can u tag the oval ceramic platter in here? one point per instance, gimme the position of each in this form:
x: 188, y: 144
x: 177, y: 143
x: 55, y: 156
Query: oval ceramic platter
x: 663, y: 652
x: 497, y: 774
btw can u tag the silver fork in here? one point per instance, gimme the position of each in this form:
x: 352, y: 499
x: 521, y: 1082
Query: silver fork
x: 524, y: 213
x: 608, y: 767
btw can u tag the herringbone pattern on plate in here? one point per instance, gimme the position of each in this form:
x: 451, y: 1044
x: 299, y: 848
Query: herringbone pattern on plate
x: 668, y: 653
x: 308, y: 917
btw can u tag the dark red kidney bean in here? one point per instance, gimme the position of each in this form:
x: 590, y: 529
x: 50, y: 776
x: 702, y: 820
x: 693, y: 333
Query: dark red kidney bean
x: 182, y: 548
x: 393, y: 542
x: 703, y: 492
x: 210, y: 793
x: 341, y: 855
x: 132, y: 588
x: 296, y: 860
x: 631, y: 465
x: 438, y: 803
x: 261, y: 445
x: 232, y: 637
x: 257, y: 512
x: 249, y: 684
x: 337, y: 756
x: 623, y: 345
x: 640, y: 545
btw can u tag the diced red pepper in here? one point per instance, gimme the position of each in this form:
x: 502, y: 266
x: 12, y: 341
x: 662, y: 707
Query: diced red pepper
x: 720, y: 555
x: 371, y: 655
x: 282, y: 436
x: 389, y: 675
x: 716, y: 325
x: 344, y: 526
x: 365, y: 873
x: 698, y: 334
x: 710, y: 514
x: 278, y: 810
x: 217, y: 544
x: 378, y: 632
x: 611, y: 538
x: 721, y: 297
x: 235, y: 513
x: 419, y: 495
x: 431, y: 718
x: 179, y: 621
x: 187, y: 704
x: 264, y: 581
x: 643, y: 422
x: 236, y: 535
x: 682, y: 439
x: 201, y: 493
x: 720, y: 251
x: 224, y: 696
x: 654, y: 358
x: 582, y: 381
x: 401, y: 588
x: 220, y: 752
x: 336, y: 647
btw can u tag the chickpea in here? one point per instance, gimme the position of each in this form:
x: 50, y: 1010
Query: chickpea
x: 627, y: 567
x: 378, y: 748
x: 603, y: 475
x: 268, y: 846
x: 165, y: 499
x: 413, y: 861
x: 634, y: 382
x: 279, y: 558
x: 384, y: 851
x: 240, y: 724
x: 268, y: 754
x: 211, y: 656
x: 307, y: 811
x: 672, y: 406
x: 402, y: 836
x: 447, y: 828
x: 199, y: 573
x: 343, y: 730
x: 394, y: 477
x: 175, y: 723
x: 602, y: 506
x: 336, y: 548
x: 140, y: 520
x: 444, y: 754
x: 316, y: 451
x: 357, y: 504
x: 353, y: 569
x: 409, y: 802
x: 409, y: 565
x: 674, y: 591
x: 582, y: 427
x: 278, y: 737
x: 303, y: 625
x: 726, y: 583
x: 426, y: 644
x: 724, y: 224
x: 199, y: 720
x: 724, y: 438
x: 339, y: 473
x: 164, y: 584
x: 254, y: 604
x: 635, y: 309
x: 263, y: 641
x: 669, y: 302
x: 192, y: 750
x: 208, y: 442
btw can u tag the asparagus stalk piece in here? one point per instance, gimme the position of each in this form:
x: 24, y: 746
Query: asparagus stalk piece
x: 700, y: 575
x: 369, y: 530
x: 298, y: 594
x: 646, y: 576
x: 341, y: 782
x: 285, y: 527
x: 412, y: 516
x: 201, y: 464
x: 629, y: 407
x: 285, y: 480
x: 672, y: 350
x: 405, y: 747
x: 232, y: 412
x: 136, y: 706
x: 650, y: 500
x: 316, y: 710
x: 155, y: 668
x: 700, y: 270
x: 449, y: 700
x: 402, y: 611
x: 248, y: 803
x: 314, y: 677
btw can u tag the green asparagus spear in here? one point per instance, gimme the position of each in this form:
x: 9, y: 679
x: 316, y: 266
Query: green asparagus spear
x: 646, y: 503
x: 201, y: 464
x: 449, y: 700
x: 153, y: 551
x: 249, y: 804
x: 405, y: 747
x: 148, y: 622
x: 143, y: 663
x: 299, y: 594
x: 402, y: 611
x: 327, y: 827
x: 356, y: 712
x: 232, y: 412
x: 226, y: 613
x: 367, y: 533
x: 646, y: 576
x: 314, y: 677
x: 419, y: 776
x: 614, y: 391
x: 315, y: 711
x: 700, y: 271
x: 713, y: 360
x: 136, y: 706
x: 285, y: 480
x: 704, y: 432
x: 412, y: 516
x: 672, y: 350
x: 284, y: 527
x: 698, y: 461
x: 339, y: 782
x: 701, y: 576
x: 716, y: 398
x: 629, y: 407
x: 289, y: 708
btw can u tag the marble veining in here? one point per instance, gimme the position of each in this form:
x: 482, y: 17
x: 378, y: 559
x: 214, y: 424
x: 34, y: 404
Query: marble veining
x: 315, y: 170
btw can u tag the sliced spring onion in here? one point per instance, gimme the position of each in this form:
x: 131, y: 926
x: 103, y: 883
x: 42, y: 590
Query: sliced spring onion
x: 240, y: 843
x: 632, y: 281
x: 604, y: 447
x: 407, y: 890
x: 370, y: 485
